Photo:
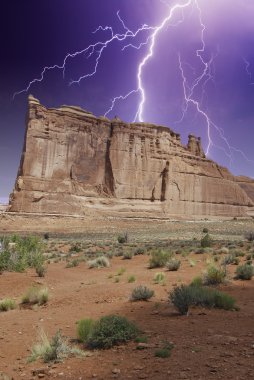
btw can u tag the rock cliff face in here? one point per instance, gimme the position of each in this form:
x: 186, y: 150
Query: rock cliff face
x: 76, y: 163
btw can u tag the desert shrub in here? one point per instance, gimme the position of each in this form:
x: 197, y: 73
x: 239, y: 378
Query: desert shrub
x: 84, y: 329
x: 202, y: 250
x: 141, y: 293
x: 223, y: 250
x: 99, y: 262
x: 230, y: 259
x: 159, y: 258
x: 46, y: 236
x: 244, y: 272
x: 250, y: 256
x: 205, y: 230
x: 72, y: 263
x: 206, y: 241
x: 139, y: 251
x: 173, y: 264
x: 128, y: 255
x: 183, y: 297
x: 197, y: 281
x: 131, y: 279
x: 111, y: 330
x: 7, y: 304
x: 214, y: 276
x: 192, y: 263
x: 249, y: 236
x: 20, y: 253
x: 110, y: 254
x: 41, y: 270
x: 237, y: 253
x: 4, y: 261
x: 55, y: 350
x: 159, y: 278
x: 120, y: 271
x: 122, y: 238
x: 76, y: 247
x: 35, y: 295
x: 141, y: 339
x: 164, y: 352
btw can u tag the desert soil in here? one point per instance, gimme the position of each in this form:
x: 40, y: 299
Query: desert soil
x: 208, y: 344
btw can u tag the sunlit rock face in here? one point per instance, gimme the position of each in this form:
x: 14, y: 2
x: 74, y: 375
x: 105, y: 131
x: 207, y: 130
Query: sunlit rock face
x: 75, y: 163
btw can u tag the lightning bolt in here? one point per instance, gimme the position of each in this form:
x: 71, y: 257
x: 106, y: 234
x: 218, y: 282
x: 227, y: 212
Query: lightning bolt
x: 247, y: 69
x: 96, y: 49
x: 150, y: 54
x: 128, y: 36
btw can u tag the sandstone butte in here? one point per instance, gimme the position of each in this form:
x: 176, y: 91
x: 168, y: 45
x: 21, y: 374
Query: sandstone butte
x: 75, y: 163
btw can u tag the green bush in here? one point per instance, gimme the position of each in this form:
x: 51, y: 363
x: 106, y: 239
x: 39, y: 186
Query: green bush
x: 164, y: 352
x: 35, y: 295
x: 197, y: 281
x: 183, y: 297
x: 205, y: 230
x: 141, y: 293
x: 20, y: 253
x: 112, y: 330
x: 244, y: 272
x: 173, y: 264
x: 99, y: 262
x: 159, y: 258
x: 206, y: 241
x: 122, y: 238
x: 214, y: 276
x: 141, y: 339
x: 85, y: 329
x: 7, y: 304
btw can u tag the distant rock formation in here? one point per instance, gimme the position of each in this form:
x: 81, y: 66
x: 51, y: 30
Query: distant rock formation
x: 76, y: 163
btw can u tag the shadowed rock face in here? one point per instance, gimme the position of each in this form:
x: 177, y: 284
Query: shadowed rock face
x: 76, y: 163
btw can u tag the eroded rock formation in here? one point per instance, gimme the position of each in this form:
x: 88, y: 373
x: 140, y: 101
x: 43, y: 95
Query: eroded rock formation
x: 76, y: 163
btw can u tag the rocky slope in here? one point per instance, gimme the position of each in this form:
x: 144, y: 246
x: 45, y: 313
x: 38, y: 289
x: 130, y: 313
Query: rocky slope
x: 76, y: 163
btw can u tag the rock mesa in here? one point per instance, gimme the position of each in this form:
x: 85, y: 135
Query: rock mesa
x: 78, y: 164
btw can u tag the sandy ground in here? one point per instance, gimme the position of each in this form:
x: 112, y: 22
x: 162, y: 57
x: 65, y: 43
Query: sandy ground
x: 208, y: 344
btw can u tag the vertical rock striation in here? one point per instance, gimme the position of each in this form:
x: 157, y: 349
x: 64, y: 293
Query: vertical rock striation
x: 76, y: 163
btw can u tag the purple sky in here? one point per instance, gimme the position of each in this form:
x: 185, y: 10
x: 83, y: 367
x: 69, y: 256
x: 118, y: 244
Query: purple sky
x: 35, y: 34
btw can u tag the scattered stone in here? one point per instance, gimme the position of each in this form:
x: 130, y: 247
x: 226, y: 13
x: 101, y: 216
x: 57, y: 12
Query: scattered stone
x: 40, y: 371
